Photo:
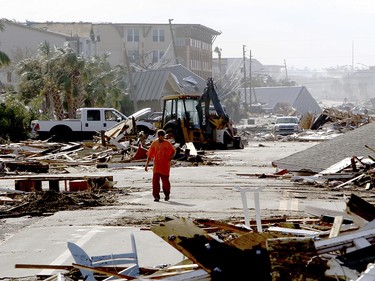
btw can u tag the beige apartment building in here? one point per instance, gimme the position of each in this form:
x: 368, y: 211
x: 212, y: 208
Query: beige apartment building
x: 143, y: 46
x: 19, y: 41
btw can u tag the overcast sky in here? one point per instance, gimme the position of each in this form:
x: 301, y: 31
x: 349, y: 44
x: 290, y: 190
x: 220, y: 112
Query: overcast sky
x: 303, y: 33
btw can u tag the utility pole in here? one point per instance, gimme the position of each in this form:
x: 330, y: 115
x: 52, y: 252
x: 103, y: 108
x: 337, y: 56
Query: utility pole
x: 353, y: 55
x: 244, y: 71
x: 173, y: 41
x: 218, y: 51
x: 286, y: 71
x: 131, y: 85
x: 250, y: 85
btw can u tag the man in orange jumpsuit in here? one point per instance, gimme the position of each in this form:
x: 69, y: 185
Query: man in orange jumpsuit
x: 162, y: 151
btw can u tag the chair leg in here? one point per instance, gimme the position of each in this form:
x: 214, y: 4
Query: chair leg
x: 81, y: 257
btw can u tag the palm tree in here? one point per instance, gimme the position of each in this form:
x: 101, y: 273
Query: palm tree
x: 105, y: 85
x: 69, y: 75
x: 38, y: 86
x: 58, y: 79
x: 4, y: 59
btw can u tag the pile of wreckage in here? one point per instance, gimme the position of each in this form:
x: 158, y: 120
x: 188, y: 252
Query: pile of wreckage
x: 332, y: 122
x: 320, y: 246
x: 313, y: 248
x: 113, y: 148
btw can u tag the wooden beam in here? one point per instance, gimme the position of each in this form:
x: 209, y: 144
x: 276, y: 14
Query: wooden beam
x: 224, y: 226
x: 335, y: 230
x: 103, y: 271
x: 65, y: 267
x: 44, y: 266
x: 343, y: 241
x: 220, y: 259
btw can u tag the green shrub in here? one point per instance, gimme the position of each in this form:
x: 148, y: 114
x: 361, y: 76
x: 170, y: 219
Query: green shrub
x: 15, y: 121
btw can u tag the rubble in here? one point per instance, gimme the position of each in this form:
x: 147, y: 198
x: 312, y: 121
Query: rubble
x: 319, y: 246
x: 331, y: 123
x: 218, y: 250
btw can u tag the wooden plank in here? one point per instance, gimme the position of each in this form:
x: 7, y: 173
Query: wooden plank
x: 253, y: 239
x: 103, y: 271
x: 337, y: 167
x: 64, y: 267
x: 319, y: 212
x: 361, y: 208
x: 349, y: 181
x: 173, y: 231
x: 198, y: 274
x: 222, y: 260
x: 224, y: 226
x: 44, y: 266
x: 335, y: 230
x: 343, y: 241
x: 299, y: 232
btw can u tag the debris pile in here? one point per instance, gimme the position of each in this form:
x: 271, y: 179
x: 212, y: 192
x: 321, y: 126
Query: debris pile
x: 48, y: 202
x: 309, y: 248
x: 35, y: 156
x: 332, y: 122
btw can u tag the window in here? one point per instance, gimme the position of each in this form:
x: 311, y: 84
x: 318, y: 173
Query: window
x: 93, y: 115
x: 111, y: 115
x: 158, y: 35
x: 180, y: 42
x: 133, y: 35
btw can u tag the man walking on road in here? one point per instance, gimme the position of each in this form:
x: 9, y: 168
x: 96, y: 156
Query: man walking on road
x: 162, y: 151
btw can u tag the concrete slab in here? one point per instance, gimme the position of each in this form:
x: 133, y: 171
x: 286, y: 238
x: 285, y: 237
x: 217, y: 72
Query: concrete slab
x: 41, y: 244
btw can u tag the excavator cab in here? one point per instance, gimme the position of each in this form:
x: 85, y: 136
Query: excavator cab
x: 180, y: 119
x: 199, y: 119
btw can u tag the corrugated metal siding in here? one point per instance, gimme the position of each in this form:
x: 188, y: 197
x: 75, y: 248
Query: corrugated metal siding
x: 149, y: 85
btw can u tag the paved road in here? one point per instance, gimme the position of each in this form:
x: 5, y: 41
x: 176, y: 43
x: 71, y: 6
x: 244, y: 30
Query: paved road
x: 205, y: 191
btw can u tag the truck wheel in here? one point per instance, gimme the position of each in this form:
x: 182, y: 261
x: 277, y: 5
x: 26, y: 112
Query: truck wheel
x: 61, y: 133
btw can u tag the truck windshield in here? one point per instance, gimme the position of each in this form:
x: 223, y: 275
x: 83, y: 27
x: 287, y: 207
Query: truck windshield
x: 287, y: 120
x: 111, y: 115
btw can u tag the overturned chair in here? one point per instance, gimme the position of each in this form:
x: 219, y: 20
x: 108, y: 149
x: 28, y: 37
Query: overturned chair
x: 88, y: 265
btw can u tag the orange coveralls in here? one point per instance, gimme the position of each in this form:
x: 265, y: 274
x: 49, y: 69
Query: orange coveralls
x: 161, y: 152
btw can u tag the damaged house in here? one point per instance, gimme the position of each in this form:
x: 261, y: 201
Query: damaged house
x: 150, y: 86
x: 295, y: 100
x: 323, y: 155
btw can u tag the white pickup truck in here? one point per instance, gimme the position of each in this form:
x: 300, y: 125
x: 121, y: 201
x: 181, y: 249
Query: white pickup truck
x: 89, y: 122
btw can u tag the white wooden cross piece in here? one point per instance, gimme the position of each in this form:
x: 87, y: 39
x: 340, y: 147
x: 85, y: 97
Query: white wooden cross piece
x: 256, y: 191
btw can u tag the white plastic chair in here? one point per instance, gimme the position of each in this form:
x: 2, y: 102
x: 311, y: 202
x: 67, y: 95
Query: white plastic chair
x: 82, y: 258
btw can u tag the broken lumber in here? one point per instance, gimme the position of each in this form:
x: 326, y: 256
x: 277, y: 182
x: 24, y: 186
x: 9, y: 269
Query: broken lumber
x: 361, y: 207
x: 103, y: 271
x: 221, y: 260
x: 345, y: 241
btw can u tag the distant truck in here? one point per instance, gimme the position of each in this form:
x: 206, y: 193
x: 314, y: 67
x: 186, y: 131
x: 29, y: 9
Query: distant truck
x: 286, y: 125
x: 89, y: 122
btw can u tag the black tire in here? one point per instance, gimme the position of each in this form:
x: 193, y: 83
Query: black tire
x: 61, y: 133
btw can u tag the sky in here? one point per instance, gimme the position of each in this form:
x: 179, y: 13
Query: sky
x: 314, y: 34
